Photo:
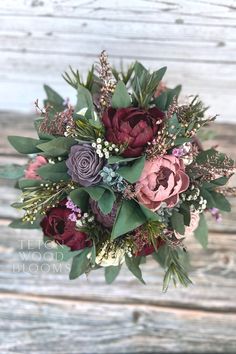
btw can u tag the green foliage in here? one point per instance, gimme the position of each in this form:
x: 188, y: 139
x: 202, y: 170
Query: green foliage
x: 74, y: 79
x: 102, y: 194
x: 132, y: 172
x: 54, y: 172
x: 133, y: 266
x: 166, y: 98
x: 120, y: 159
x: 131, y: 215
x: 84, y: 99
x: 111, y: 273
x: 25, y: 145
x: 177, y: 222
x: 121, y: 97
x: 29, y: 183
x: 174, y: 263
x: 123, y: 75
x: 63, y: 253
x: 216, y: 200
x: 19, y: 224
x: 12, y: 171
x: 144, y: 84
x: 57, y: 147
x: 54, y: 99
x: 87, y: 129
x: 201, y: 233
x: 80, y: 264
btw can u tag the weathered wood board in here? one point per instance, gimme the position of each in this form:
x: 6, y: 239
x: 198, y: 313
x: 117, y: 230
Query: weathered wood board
x: 41, y: 311
x: 196, y: 39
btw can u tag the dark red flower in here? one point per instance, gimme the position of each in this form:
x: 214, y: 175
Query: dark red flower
x: 133, y: 126
x: 57, y: 225
x: 149, y: 248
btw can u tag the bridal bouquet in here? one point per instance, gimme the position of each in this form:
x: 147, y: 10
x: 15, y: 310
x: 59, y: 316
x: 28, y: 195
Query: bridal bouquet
x: 121, y: 174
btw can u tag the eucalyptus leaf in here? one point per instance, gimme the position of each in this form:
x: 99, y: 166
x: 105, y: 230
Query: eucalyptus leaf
x: 57, y: 147
x: 111, y: 273
x: 12, y: 171
x: 54, y: 172
x: 177, y: 222
x: 132, y: 172
x: 201, y: 233
x: 25, y: 145
x: 133, y: 266
x: 121, y: 97
x: 80, y: 264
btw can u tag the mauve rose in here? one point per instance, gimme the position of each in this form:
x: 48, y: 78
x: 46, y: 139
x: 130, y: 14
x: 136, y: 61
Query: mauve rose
x: 162, y: 180
x: 84, y: 165
x: 57, y: 225
x: 132, y: 126
x: 106, y: 220
x: 31, y: 170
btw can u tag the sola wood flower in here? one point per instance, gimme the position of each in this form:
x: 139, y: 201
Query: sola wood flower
x: 132, y: 126
x: 84, y: 165
x: 162, y: 180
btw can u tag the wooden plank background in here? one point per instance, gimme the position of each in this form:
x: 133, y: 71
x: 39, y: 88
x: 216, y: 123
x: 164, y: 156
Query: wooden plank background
x: 196, y: 39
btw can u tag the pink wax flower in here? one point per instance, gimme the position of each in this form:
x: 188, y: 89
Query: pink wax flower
x: 162, y: 180
x: 194, y: 221
x: 31, y: 170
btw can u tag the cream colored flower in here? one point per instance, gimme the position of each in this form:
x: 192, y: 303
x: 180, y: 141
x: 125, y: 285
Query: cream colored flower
x: 110, y: 256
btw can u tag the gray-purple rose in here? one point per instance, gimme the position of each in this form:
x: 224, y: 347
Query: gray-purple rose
x: 84, y: 165
x: 106, y: 220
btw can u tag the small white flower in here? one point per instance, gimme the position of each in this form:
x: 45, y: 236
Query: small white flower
x: 99, y: 140
x: 106, y: 143
x: 113, y: 146
x: 99, y: 146
x: 94, y: 145
x: 116, y: 150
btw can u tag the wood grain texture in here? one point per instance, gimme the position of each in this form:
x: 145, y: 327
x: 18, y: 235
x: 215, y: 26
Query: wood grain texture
x: 196, y: 39
x: 41, y: 326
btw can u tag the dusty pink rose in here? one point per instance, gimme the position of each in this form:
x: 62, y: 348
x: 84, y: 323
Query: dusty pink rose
x: 162, y: 180
x: 194, y: 221
x: 31, y: 171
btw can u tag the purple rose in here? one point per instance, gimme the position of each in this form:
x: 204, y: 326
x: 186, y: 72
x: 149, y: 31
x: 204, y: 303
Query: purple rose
x: 106, y: 220
x: 84, y: 165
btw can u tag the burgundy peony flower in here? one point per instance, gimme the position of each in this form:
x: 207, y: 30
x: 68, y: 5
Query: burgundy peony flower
x: 133, y: 126
x: 149, y: 248
x: 57, y: 225
x: 162, y: 180
x: 84, y: 165
x: 106, y: 220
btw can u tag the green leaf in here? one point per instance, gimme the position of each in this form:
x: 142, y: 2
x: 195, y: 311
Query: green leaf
x: 215, y: 200
x: 149, y: 214
x: 24, y: 145
x: 111, y: 273
x: 106, y: 201
x: 132, y: 172
x: 185, y: 211
x: 120, y: 159
x: 160, y: 101
x: 128, y: 218
x: 12, y: 171
x: 201, y: 233
x: 173, y: 125
x: 54, y: 99
x: 54, y: 172
x: 121, y: 97
x: 171, y: 93
x: 57, y: 147
x: 133, y: 266
x: 19, y: 224
x: 181, y: 140
x: 80, y: 198
x: 41, y: 134
x: 80, y: 264
x: 63, y: 253
x: 221, y: 181
x: 177, y: 222
x: 84, y: 99
x: 28, y: 183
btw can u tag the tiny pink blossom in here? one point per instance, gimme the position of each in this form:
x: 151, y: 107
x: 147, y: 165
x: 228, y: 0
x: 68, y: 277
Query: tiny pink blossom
x: 162, y: 180
x: 31, y: 171
x: 72, y: 217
